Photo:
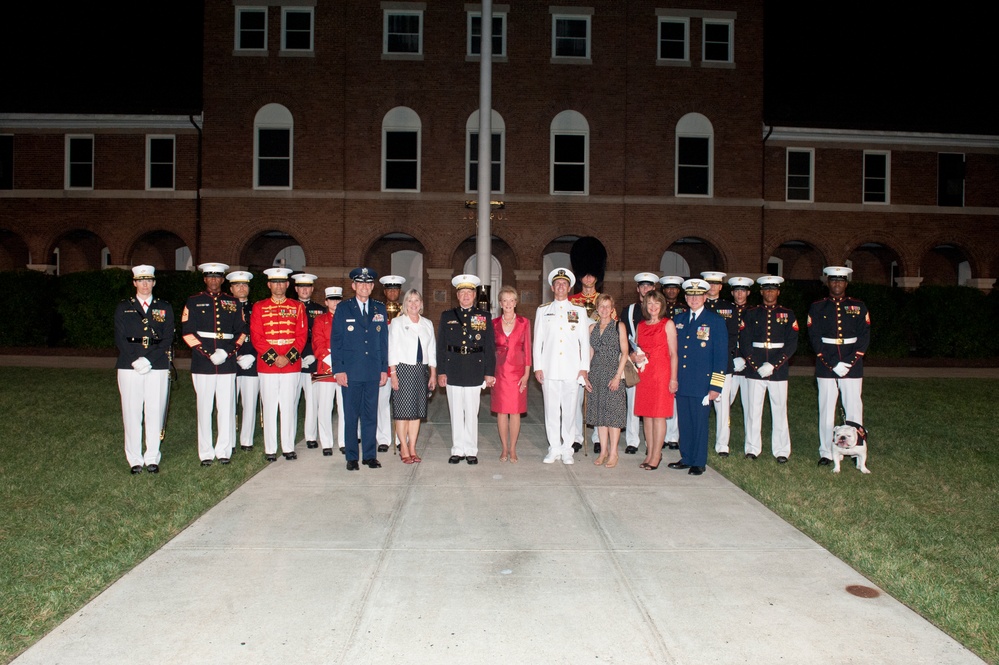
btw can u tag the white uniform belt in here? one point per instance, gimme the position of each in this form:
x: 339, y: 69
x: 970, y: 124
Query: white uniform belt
x: 214, y: 335
x: 839, y: 341
x: 281, y: 342
x: 768, y: 345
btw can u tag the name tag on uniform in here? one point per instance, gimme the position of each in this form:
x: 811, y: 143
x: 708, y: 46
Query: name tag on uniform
x: 704, y: 333
x: 351, y: 320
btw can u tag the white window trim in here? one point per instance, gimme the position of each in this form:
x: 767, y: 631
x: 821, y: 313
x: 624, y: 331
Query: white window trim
x: 811, y: 174
x: 312, y: 30
x: 236, y: 47
x: 93, y: 158
x: 149, y: 162
x: 393, y: 55
x: 731, y: 42
x: 586, y: 162
x: 863, y: 191
x: 497, y: 57
x: 686, y: 40
x: 573, y: 59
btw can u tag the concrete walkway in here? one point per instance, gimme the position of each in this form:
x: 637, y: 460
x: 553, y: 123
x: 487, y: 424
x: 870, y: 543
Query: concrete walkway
x: 495, y: 563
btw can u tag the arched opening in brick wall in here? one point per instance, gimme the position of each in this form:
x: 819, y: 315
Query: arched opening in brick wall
x: 504, y: 263
x: 554, y: 255
x: 673, y: 263
x: 158, y: 249
x: 398, y: 254
x: 79, y: 250
x: 14, y: 254
x: 795, y: 260
x: 873, y: 263
x: 273, y: 248
x: 945, y: 265
x: 699, y: 254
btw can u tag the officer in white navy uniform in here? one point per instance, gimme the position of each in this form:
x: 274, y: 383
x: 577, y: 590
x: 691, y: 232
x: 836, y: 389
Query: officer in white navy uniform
x: 839, y: 328
x: 561, y: 361
x: 143, y: 333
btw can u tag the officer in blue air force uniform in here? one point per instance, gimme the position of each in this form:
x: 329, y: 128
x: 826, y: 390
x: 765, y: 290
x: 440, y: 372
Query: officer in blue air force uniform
x: 359, y: 346
x: 702, y: 347
x: 143, y: 333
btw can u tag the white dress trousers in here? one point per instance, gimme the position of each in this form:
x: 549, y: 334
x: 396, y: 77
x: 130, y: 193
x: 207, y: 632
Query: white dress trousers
x: 328, y: 393
x: 279, y: 393
x: 215, y: 392
x: 850, y: 392
x: 143, y: 397
x: 463, y: 405
x: 248, y: 392
x: 722, y: 407
x: 753, y: 392
x: 311, y: 424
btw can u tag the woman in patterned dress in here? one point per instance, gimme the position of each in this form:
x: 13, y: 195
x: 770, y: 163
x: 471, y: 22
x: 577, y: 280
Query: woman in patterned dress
x: 513, y: 368
x: 412, y: 358
x: 607, y: 403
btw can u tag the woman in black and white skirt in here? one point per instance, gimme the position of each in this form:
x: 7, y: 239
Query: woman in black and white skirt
x: 412, y: 360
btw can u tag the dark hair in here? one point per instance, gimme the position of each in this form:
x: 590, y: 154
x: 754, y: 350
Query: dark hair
x: 658, y: 297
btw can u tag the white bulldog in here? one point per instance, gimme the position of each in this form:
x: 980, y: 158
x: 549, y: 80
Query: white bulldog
x: 850, y: 440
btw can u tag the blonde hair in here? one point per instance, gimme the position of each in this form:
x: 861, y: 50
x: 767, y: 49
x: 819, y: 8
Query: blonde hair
x: 508, y: 289
x: 413, y: 293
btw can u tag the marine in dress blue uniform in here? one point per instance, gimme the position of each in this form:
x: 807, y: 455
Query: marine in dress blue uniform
x: 359, y: 346
x: 247, y: 381
x: 702, y: 347
x: 143, y: 333
x: 839, y: 328
x: 214, y: 328
x: 768, y: 337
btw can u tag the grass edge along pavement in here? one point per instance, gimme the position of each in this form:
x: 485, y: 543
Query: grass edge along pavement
x: 920, y: 526
x: 75, y: 519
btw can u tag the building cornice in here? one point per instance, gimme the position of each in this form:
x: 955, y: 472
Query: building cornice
x: 96, y: 121
x: 818, y: 135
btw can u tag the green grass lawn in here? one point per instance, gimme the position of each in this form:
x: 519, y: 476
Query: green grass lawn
x: 922, y: 525
x: 74, y: 519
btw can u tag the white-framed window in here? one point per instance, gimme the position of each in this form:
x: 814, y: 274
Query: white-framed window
x: 694, y: 173
x: 571, y: 37
x: 877, y: 176
x: 673, y: 39
x: 570, y: 152
x: 296, y: 29
x: 80, y: 161
x: 498, y: 145
x: 950, y: 179
x: 498, y: 32
x: 160, y: 162
x: 401, y: 130
x: 800, y: 164
x: 6, y: 161
x: 273, y: 134
x: 251, y: 28
x: 403, y: 32
x: 718, y: 41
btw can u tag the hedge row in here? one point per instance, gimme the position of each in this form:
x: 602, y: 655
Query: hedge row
x: 76, y: 311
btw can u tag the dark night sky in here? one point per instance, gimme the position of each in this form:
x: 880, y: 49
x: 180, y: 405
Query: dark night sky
x: 839, y: 65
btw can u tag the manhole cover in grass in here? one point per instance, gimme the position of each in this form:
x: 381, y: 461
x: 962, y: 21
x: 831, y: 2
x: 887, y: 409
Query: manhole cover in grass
x: 863, y: 591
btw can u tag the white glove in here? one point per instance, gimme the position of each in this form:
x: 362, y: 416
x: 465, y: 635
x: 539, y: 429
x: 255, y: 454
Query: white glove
x: 219, y: 356
x: 328, y: 361
x: 308, y: 360
x: 739, y: 364
x: 142, y: 365
x: 842, y: 369
x: 245, y: 361
x: 705, y: 401
x: 766, y: 369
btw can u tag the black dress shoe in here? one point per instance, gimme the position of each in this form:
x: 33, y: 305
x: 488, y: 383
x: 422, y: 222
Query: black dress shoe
x: 352, y: 465
x: 342, y: 451
x: 311, y: 444
x: 824, y: 461
x: 247, y: 447
x: 223, y: 460
x: 372, y: 463
x: 136, y: 469
x: 454, y: 459
x: 672, y: 445
x: 206, y: 462
x: 472, y: 459
x: 750, y: 456
x: 596, y: 448
x: 782, y: 460
x: 270, y: 458
x: 576, y: 447
x: 291, y: 456
x: 382, y: 447
x: 631, y: 450
x: 678, y: 465
x: 696, y: 470
x: 327, y: 452
x: 152, y: 468
x: 722, y: 454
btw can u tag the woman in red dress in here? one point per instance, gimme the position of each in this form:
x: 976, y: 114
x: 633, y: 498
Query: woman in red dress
x: 513, y: 368
x: 656, y: 337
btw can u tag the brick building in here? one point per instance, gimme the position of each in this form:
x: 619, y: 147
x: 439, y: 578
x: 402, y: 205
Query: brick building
x: 338, y: 134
